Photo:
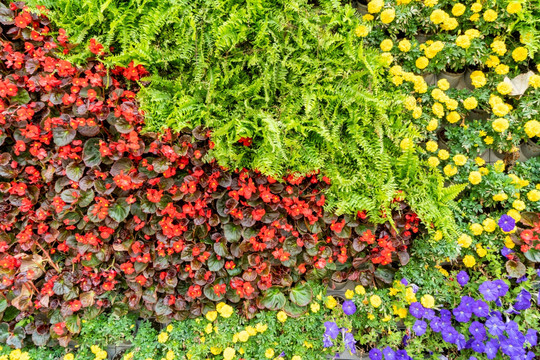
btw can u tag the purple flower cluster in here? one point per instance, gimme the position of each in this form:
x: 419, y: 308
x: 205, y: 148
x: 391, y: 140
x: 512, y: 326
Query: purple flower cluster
x: 331, y: 333
x: 488, y: 333
x: 389, y: 354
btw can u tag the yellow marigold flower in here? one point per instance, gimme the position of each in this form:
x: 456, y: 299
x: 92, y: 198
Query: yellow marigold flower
x: 469, y: 261
x: 375, y: 301
x: 476, y: 229
x: 520, y: 54
x: 443, y: 154
x: 261, y: 328
x: 331, y: 302
x: 532, y: 128
x: 251, y: 330
x: 533, y: 195
x: 208, y: 328
x: 470, y: 103
x: 514, y: 214
x: 431, y: 146
x: 450, y: 170
x: 349, y: 294
x: 449, y: 24
x: 388, y: 15
x: 438, y: 16
x: 534, y: 81
x: 438, y: 235
x: 225, y: 311
x: 433, y: 161
x: 211, y: 315
x: 476, y: 7
x: 410, y: 103
x: 478, y: 79
x: 404, y: 45
x: 432, y: 125
x: 229, y: 353
x: 518, y: 205
x: 498, y: 47
x: 269, y: 353
x: 453, y: 117
x: 488, y: 140
x: 508, y: 242
x: 315, y: 307
x: 360, y: 290
x: 500, y: 109
x: 368, y: 17
x: 463, y: 41
x: 396, y: 70
x: 475, y: 177
x: 460, y: 159
x: 502, y: 69
x: 451, y: 104
x: 163, y: 337
x: 406, y: 144
x: 409, y: 295
x: 374, y: 6
x: 513, y: 7
x: 437, y: 94
x: 458, y: 9
x: 170, y: 355
x: 500, y: 197
x: 437, y: 109
x: 422, y: 62
x: 296, y: 357
x: 474, y: 17
x: 443, y: 84
x: 361, y: 31
x: 402, y: 313
x: 427, y: 301
x: 500, y: 124
x: 430, y: 3
x: 489, y: 225
x: 464, y: 241
x: 386, y: 59
x: 243, y: 336
x: 479, y: 161
x: 492, y: 61
x: 499, y: 166
x: 417, y: 112
x: 504, y: 88
x: 282, y: 316
x: 490, y: 15
x: 481, y: 251
x: 69, y: 356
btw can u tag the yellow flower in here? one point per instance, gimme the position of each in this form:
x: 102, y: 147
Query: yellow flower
x: 499, y: 166
x: 224, y: 310
x: 215, y: 350
x: 269, y: 353
x: 331, y: 302
x: 514, y: 214
x: 374, y: 6
x: 243, y: 336
x: 375, y: 301
x: 315, y: 307
x: 361, y: 31
x: 282, y: 316
x: 520, y: 54
x: 481, y: 251
x: 476, y: 7
x: 427, y: 301
x: 458, y: 9
x: 229, y: 353
x: 368, y: 17
x: 469, y: 261
x: 479, y: 161
x: 417, y: 112
x: 490, y: 15
x: 518, y: 205
x: 534, y: 81
x: 450, y: 170
x: 386, y: 59
x: 406, y: 144
x: 360, y: 290
x: 449, y: 24
x: 409, y: 295
x: 261, y: 328
x: 475, y: 177
x: 508, y: 242
x: 500, y: 197
x: 388, y: 15
x: 443, y: 84
x: 478, y: 79
x: 533, y: 195
x: 443, y: 154
x: 500, y: 124
x: 463, y: 41
x: 349, y: 294
x: 464, y: 241
x: 208, y: 328
x: 438, y: 16
x: 69, y: 356
x: 296, y: 357
x: 371, y: 316
x: 431, y: 146
x: 489, y: 225
x: 499, y: 47
x: 513, y: 7
x: 459, y: 159
x: 470, y: 103
x: 404, y: 45
x: 433, y: 161
x: 163, y: 337
x: 532, y: 128
x: 432, y: 125
x: 504, y: 88
x: 492, y: 61
x: 430, y: 3
x: 422, y: 62
x: 477, y: 229
x: 501, y: 109
x: 437, y: 109
x: 502, y: 69
x: 474, y: 17
x: 170, y: 328
x: 438, y: 235
x: 402, y: 313
x: 211, y: 315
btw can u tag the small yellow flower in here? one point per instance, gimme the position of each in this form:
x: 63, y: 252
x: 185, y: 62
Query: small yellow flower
x: 513, y: 7
x: 371, y: 316
x: 229, y: 353
x: 349, y: 294
x: 500, y: 124
x: 388, y: 15
x: 224, y: 310
x: 470, y: 103
x: 520, y: 54
x: 532, y: 128
x: 432, y: 146
x: 211, y: 315
x: 533, y: 195
x: 69, y: 356
x: 450, y: 170
x: 170, y: 355
x: 438, y: 16
x: 514, y: 214
x: 422, y: 62
x: 282, y: 316
x: 438, y: 235
x: 490, y: 15
x: 427, y: 301
x: 169, y: 328
x: 481, y: 251
x: 443, y: 84
x: 361, y: 31
x: 504, y: 88
x: 360, y: 290
x: 460, y: 159
x: 518, y: 205
x: 261, y: 328
x: 463, y: 41
x: 443, y: 154
x: 296, y: 357
x: 433, y: 161
x: 315, y: 307
x: 475, y: 177
x: 404, y: 45
x: 464, y: 241
x: 489, y: 225
x: 163, y: 337
x: 432, y: 125
x: 269, y: 353
x: 477, y: 229
x: 502, y: 69
x: 387, y: 45
x: 500, y: 197
x: 209, y: 328
x: 330, y: 302
x: 458, y: 9
x: 469, y: 261
x: 508, y: 242
x: 374, y: 6
x: 375, y: 301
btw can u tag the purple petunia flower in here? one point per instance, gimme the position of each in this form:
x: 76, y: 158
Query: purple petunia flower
x: 429, y: 314
x: 402, y: 355
x: 480, y: 308
x: 436, y: 324
x: 477, y: 330
x: 446, y: 315
x: 510, y: 347
x: 420, y: 327
x: 461, y: 342
x: 492, y: 347
x: 450, y: 335
x: 521, y: 279
x: 532, y: 337
x: 523, y: 300
x: 404, y: 282
x: 462, y: 314
x: 506, y: 251
x: 326, y: 341
x: 348, y: 307
x: 462, y: 278
x: 478, y: 346
x: 417, y: 310
x: 502, y: 287
x: 467, y: 302
x: 375, y: 354
x: 530, y: 356
x: 389, y: 354
x: 489, y: 290
x: 350, y: 343
x: 507, y: 223
x: 495, y: 326
x: 332, y: 329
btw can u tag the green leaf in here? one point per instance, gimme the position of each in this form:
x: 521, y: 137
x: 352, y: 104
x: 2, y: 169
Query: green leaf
x: 119, y: 210
x: 301, y: 294
x: 273, y: 299
x: 232, y: 232
x: 63, y: 137
x: 515, y: 269
x: 74, y: 171
x: 22, y: 97
x: 532, y: 255
x: 73, y: 324
x: 214, y: 264
x: 91, y: 155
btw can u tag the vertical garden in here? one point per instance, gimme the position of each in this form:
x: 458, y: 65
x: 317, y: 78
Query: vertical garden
x: 269, y: 179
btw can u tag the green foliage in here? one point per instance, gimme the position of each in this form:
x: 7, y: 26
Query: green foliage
x: 292, y: 77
